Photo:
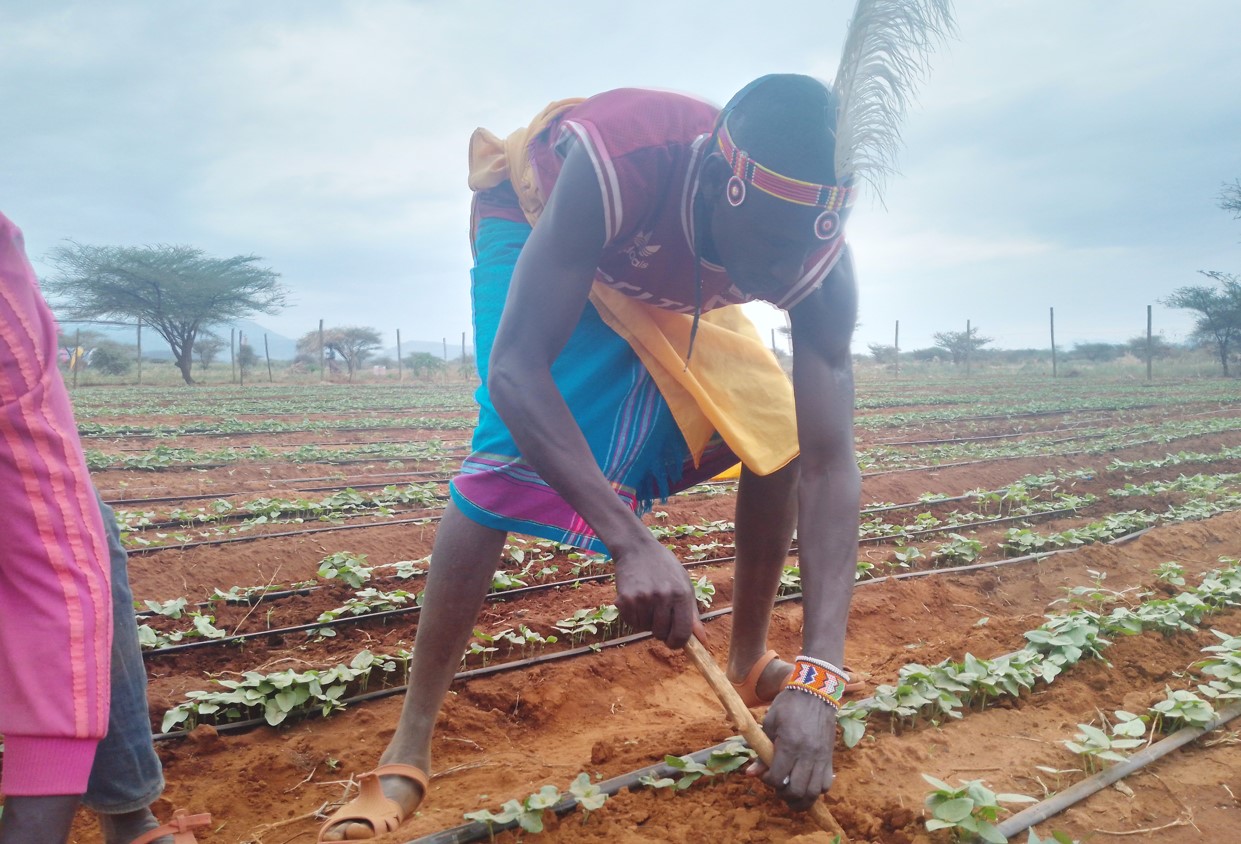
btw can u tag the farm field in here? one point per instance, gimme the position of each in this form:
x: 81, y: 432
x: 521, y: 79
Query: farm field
x: 1033, y: 556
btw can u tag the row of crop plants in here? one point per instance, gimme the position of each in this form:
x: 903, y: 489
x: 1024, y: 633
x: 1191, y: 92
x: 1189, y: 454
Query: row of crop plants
x: 539, y: 561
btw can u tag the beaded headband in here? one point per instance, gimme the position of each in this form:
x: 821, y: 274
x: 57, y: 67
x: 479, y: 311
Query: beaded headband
x: 831, y: 198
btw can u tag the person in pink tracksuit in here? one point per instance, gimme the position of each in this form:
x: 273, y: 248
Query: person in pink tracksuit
x: 55, y: 598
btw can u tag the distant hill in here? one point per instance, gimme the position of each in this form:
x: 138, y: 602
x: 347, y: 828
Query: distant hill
x: 282, y: 348
x: 155, y: 348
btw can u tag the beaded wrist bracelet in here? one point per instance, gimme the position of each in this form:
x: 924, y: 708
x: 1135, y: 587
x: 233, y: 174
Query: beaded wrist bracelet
x: 819, y: 678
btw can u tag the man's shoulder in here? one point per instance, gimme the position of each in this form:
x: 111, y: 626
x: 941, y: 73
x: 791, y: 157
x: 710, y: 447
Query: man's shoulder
x: 636, y: 117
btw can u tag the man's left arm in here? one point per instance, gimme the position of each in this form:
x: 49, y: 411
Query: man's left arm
x: 830, y: 484
x: 829, y: 488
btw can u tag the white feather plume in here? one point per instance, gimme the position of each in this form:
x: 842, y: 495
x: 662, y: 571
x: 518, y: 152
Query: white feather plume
x: 885, y: 55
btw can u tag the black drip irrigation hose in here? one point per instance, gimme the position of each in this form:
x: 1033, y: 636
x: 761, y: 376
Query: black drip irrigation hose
x: 184, y: 545
x: 241, y: 516
x: 938, y: 466
x: 988, y: 437
x: 491, y: 597
x: 257, y: 537
x: 292, y: 448
x: 514, y: 593
x: 114, y: 502
x: 193, y: 467
x: 273, y: 595
x: 879, y: 540
x: 1080, y: 791
x: 172, y: 435
x: 623, y: 640
x: 476, y: 831
x: 472, y: 832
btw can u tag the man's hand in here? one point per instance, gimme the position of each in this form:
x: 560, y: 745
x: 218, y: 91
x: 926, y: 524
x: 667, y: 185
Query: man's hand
x: 803, y: 729
x: 654, y: 592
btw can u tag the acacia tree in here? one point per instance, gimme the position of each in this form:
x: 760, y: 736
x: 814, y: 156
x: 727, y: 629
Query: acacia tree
x: 353, y: 343
x: 1230, y: 198
x: 424, y: 363
x: 1159, y: 347
x: 959, y: 344
x: 177, y: 290
x: 208, y: 347
x: 1219, y: 311
x: 882, y: 353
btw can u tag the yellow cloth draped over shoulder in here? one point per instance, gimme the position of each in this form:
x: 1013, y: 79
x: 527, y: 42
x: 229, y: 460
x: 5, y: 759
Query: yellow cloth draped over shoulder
x: 733, y: 384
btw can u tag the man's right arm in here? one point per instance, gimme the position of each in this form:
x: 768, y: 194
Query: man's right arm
x: 550, y: 287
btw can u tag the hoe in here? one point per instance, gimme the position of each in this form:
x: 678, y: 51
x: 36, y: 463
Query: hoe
x: 750, y: 729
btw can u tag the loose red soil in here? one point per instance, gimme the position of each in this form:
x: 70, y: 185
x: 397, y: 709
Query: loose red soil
x: 504, y: 736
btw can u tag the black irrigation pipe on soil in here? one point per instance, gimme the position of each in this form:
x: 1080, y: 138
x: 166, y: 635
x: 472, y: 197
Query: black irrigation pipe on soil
x: 989, y: 437
x: 879, y: 540
x: 1080, y: 791
x: 476, y: 831
x: 623, y: 640
x: 172, y: 435
x: 193, y: 467
x: 491, y: 597
x: 181, y: 547
x: 634, y: 637
x: 257, y: 537
x: 241, y: 516
x: 471, y: 673
x: 336, y: 486
x: 525, y: 590
x: 293, y: 447
x: 471, y: 832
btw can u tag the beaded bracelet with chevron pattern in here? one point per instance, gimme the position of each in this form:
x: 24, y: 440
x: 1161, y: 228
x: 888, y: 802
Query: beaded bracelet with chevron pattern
x: 819, y: 678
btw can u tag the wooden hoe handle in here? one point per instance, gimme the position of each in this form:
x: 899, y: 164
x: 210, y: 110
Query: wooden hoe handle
x: 749, y: 728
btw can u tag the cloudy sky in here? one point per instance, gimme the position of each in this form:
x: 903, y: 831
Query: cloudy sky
x: 1063, y: 153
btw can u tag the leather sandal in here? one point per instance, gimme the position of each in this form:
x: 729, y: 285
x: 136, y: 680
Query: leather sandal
x: 372, y: 806
x: 748, y: 688
x: 179, y: 828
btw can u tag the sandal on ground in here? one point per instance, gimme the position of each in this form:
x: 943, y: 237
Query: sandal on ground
x: 372, y: 806
x: 748, y: 688
x: 179, y: 828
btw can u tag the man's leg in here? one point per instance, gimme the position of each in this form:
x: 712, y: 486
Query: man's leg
x: 462, y: 563
x: 127, y: 776
x: 766, y: 516
x: 38, y: 820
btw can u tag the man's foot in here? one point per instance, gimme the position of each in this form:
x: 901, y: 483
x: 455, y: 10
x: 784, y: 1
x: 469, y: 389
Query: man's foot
x: 125, y: 827
x: 403, y: 793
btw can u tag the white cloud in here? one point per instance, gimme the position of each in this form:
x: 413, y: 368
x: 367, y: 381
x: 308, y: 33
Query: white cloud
x: 1059, y: 152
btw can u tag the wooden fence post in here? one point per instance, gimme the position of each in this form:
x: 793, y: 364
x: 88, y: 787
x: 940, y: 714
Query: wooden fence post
x: 1150, y: 351
x: 1053, y: 341
x: 267, y: 354
x: 969, y: 345
x: 897, y: 345
x: 400, y: 367
x: 139, y: 351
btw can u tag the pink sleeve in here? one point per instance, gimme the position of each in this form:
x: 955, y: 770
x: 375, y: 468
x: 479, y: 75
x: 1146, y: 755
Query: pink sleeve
x: 55, y: 606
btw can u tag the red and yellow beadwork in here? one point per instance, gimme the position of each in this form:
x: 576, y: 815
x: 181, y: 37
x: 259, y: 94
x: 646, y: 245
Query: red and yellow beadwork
x: 747, y: 170
x: 819, y: 678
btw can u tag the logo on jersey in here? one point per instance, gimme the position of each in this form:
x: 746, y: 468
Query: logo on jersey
x: 641, y: 249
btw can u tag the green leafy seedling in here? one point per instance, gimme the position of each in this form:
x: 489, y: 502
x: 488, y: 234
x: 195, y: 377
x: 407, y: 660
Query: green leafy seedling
x: 971, y: 810
x: 588, y: 795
